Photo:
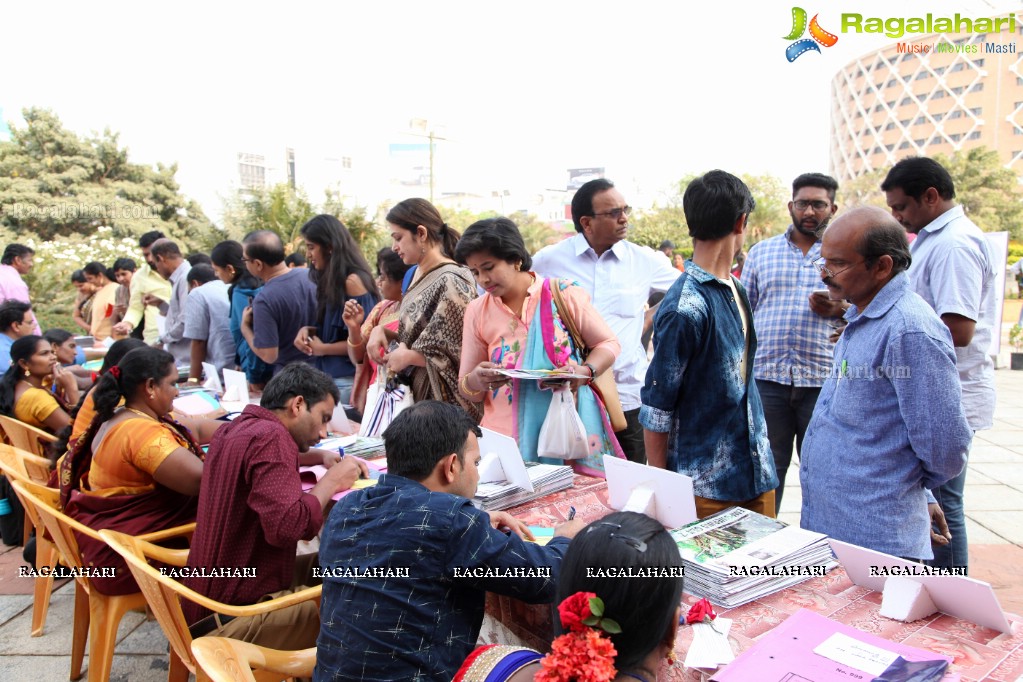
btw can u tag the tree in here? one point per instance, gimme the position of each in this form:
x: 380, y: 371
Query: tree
x: 280, y: 209
x: 364, y: 228
x: 771, y: 214
x: 988, y: 191
x: 54, y: 183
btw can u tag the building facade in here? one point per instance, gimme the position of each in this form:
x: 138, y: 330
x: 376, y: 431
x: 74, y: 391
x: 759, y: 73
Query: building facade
x: 940, y: 93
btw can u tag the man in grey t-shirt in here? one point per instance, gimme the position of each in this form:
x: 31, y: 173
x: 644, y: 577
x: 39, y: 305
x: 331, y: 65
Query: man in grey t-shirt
x: 208, y: 322
x: 953, y: 271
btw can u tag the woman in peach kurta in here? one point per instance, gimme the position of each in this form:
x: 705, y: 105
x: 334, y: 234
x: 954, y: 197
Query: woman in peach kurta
x: 515, y: 325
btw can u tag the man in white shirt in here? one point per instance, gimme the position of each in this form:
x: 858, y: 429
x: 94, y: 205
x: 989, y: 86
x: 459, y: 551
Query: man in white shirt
x: 619, y: 277
x: 953, y: 270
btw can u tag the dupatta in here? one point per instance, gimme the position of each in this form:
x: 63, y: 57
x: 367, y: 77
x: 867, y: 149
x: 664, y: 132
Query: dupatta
x: 549, y: 346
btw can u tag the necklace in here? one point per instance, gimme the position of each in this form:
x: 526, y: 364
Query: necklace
x: 635, y: 677
x: 141, y: 413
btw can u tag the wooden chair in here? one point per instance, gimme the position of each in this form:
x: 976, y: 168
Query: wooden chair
x: 18, y: 465
x: 28, y: 438
x: 223, y: 659
x: 164, y: 595
x: 96, y: 615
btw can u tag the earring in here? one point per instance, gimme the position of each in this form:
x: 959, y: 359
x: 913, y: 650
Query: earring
x: 152, y: 395
x: 28, y: 373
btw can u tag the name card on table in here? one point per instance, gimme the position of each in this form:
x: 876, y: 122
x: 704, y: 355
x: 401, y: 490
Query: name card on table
x: 664, y: 495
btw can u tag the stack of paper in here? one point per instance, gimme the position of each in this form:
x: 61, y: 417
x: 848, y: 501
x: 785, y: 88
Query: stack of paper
x: 546, y: 479
x: 366, y: 447
x: 736, y: 556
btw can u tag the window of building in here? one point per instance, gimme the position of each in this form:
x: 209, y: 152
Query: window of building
x: 919, y: 143
x: 957, y: 90
x: 938, y: 94
x: 958, y: 66
x: 980, y: 37
x: 940, y: 70
x: 1017, y: 131
x: 922, y: 75
x: 975, y: 135
x: 1019, y: 79
x: 891, y: 83
x: 904, y: 122
x: 905, y: 101
x: 890, y: 147
x: 976, y: 111
x: 976, y: 87
x: 978, y: 63
x: 955, y: 137
x: 890, y: 126
x: 904, y: 145
x: 955, y: 113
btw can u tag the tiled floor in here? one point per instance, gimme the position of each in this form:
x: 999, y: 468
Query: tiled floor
x: 994, y: 503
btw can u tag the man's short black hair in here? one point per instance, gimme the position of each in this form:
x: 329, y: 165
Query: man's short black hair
x: 296, y: 260
x: 201, y: 273
x: 422, y: 435
x: 885, y: 237
x: 582, y: 202
x: 264, y: 245
x: 15, y: 251
x: 164, y: 249
x: 146, y: 240
x: 298, y: 379
x: 713, y: 203
x: 819, y: 180
x: 918, y: 173
x: 12, y: 311
x: 198, y: 259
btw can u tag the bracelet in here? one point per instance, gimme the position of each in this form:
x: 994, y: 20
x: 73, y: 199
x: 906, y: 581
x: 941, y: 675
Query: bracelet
x: 593, y: 372
x: 357, y: 345
x: 464, y: 385
x: 192, y: 380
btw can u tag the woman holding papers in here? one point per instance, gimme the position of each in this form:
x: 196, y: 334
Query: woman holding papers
x: 517, y: 325
x: 135, y: 469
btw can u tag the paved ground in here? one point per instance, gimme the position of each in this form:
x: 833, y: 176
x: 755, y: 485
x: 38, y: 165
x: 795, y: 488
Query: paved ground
x: 994, y: 504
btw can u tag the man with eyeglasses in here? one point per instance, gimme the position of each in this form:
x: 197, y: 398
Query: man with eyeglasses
x: 791, y: 313
x: 953, y: 270
x: 619, y: 276
x: 16, y: 321
x: 889, y: 424
x: 701, y: 412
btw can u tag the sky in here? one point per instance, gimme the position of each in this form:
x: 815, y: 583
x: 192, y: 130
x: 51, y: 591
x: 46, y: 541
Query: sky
x: 521, y: 92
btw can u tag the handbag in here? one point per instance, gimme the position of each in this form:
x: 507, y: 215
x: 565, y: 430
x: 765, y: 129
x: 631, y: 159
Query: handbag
x: 387, y: 399
x: 603, y: 384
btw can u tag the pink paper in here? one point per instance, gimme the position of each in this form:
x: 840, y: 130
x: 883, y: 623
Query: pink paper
x: 310, y: 475
x: 786, y: 653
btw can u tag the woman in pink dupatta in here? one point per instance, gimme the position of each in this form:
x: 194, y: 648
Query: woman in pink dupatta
x: 515, y: 325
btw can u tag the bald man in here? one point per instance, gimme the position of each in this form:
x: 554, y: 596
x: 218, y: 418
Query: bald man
x: 285, y: 304
x: 889, y: 424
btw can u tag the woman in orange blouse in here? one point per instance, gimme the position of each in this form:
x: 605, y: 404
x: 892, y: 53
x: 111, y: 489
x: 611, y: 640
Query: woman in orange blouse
x: 23, y: 391
x: 134, y: 470
x: 516, y: 325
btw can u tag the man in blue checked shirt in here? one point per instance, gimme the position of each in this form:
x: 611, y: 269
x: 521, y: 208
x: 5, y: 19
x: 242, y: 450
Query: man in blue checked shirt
x: 889, y: 424
x: 792, y: 314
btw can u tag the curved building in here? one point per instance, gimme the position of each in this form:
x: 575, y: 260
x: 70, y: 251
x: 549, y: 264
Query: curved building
x: 940, y: 93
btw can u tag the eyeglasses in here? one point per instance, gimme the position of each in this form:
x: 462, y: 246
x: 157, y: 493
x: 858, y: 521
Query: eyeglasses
x: 616, y: 213
x: 820, y: 265
x: 818, y: 205
x: 635, y: 543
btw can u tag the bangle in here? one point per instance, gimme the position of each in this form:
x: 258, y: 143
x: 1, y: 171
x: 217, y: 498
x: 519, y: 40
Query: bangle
x: 464, y: 384
x: 593, y: 372
x: 352, y: 344
x: 193, y: 380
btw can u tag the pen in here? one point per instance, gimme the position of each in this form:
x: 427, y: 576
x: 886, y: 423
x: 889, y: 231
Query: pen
x: 571, y: 513
x: 341, y: 451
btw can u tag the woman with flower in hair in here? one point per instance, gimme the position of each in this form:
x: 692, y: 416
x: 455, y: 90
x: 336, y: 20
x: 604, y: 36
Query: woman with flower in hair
x: 614, y: 629
x: 135, y: 469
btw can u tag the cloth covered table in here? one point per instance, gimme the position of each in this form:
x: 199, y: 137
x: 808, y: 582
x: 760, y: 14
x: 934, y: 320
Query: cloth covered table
x: 979, y: 653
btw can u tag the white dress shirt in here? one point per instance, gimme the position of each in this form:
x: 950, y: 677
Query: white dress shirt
x: 619, y: 283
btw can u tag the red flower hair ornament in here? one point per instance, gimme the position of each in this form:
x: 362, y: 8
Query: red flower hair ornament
x: 583, y: 654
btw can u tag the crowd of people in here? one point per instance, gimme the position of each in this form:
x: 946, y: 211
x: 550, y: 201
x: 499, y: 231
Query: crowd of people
x: 865, y: 355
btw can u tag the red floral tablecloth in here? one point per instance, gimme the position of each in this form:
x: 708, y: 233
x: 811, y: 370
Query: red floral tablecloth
x: 979, y: 653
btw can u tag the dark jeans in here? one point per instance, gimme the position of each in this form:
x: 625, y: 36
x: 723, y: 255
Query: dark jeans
x: 950, y: 498
x: 787, y: 410
x: 631, y: 438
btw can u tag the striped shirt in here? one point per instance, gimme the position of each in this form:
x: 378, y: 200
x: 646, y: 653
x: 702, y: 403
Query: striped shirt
x: 792, y: 340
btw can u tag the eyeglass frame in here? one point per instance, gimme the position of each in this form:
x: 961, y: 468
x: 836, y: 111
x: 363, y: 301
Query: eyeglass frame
x: 812, y: 204
x: 615, y: 213
x: 635, y: 543
x: 819, y: 265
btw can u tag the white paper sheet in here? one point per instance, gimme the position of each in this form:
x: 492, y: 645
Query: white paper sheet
x: 856, y: 654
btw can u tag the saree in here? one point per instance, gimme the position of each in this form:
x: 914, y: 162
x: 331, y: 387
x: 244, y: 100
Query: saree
x: 385, y: 314
x: 495, y: 663
x: 138, y: 505
x: 549, y: 346
x: 430, y: 322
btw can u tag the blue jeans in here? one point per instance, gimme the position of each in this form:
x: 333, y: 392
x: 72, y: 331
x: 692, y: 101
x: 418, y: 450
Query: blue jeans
x: 950, y: 498
x: 787, y: 410
x: 344, y: 385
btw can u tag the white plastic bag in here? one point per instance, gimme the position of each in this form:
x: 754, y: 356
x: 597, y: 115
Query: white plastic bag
x: 563, y: 434
x: 383, y: 406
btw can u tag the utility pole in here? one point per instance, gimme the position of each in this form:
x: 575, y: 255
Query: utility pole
x: 431, y: 134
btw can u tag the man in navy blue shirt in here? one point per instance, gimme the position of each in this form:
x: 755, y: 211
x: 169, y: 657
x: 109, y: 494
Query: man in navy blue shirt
x: 701, y: 411
x: 406, y: 563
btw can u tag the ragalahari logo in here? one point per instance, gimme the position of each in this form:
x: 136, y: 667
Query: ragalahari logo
x: 818, y: 35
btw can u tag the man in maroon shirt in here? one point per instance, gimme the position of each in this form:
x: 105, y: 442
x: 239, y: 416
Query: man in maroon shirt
x: 252, y: 511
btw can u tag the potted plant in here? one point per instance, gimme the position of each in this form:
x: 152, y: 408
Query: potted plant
x: 1016, y: 339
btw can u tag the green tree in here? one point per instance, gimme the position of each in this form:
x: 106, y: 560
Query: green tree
x: 364, y: 228
x: 280, y: 209
x: 988, y: 191
x: 771, y: 215
x: 54, y: 183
